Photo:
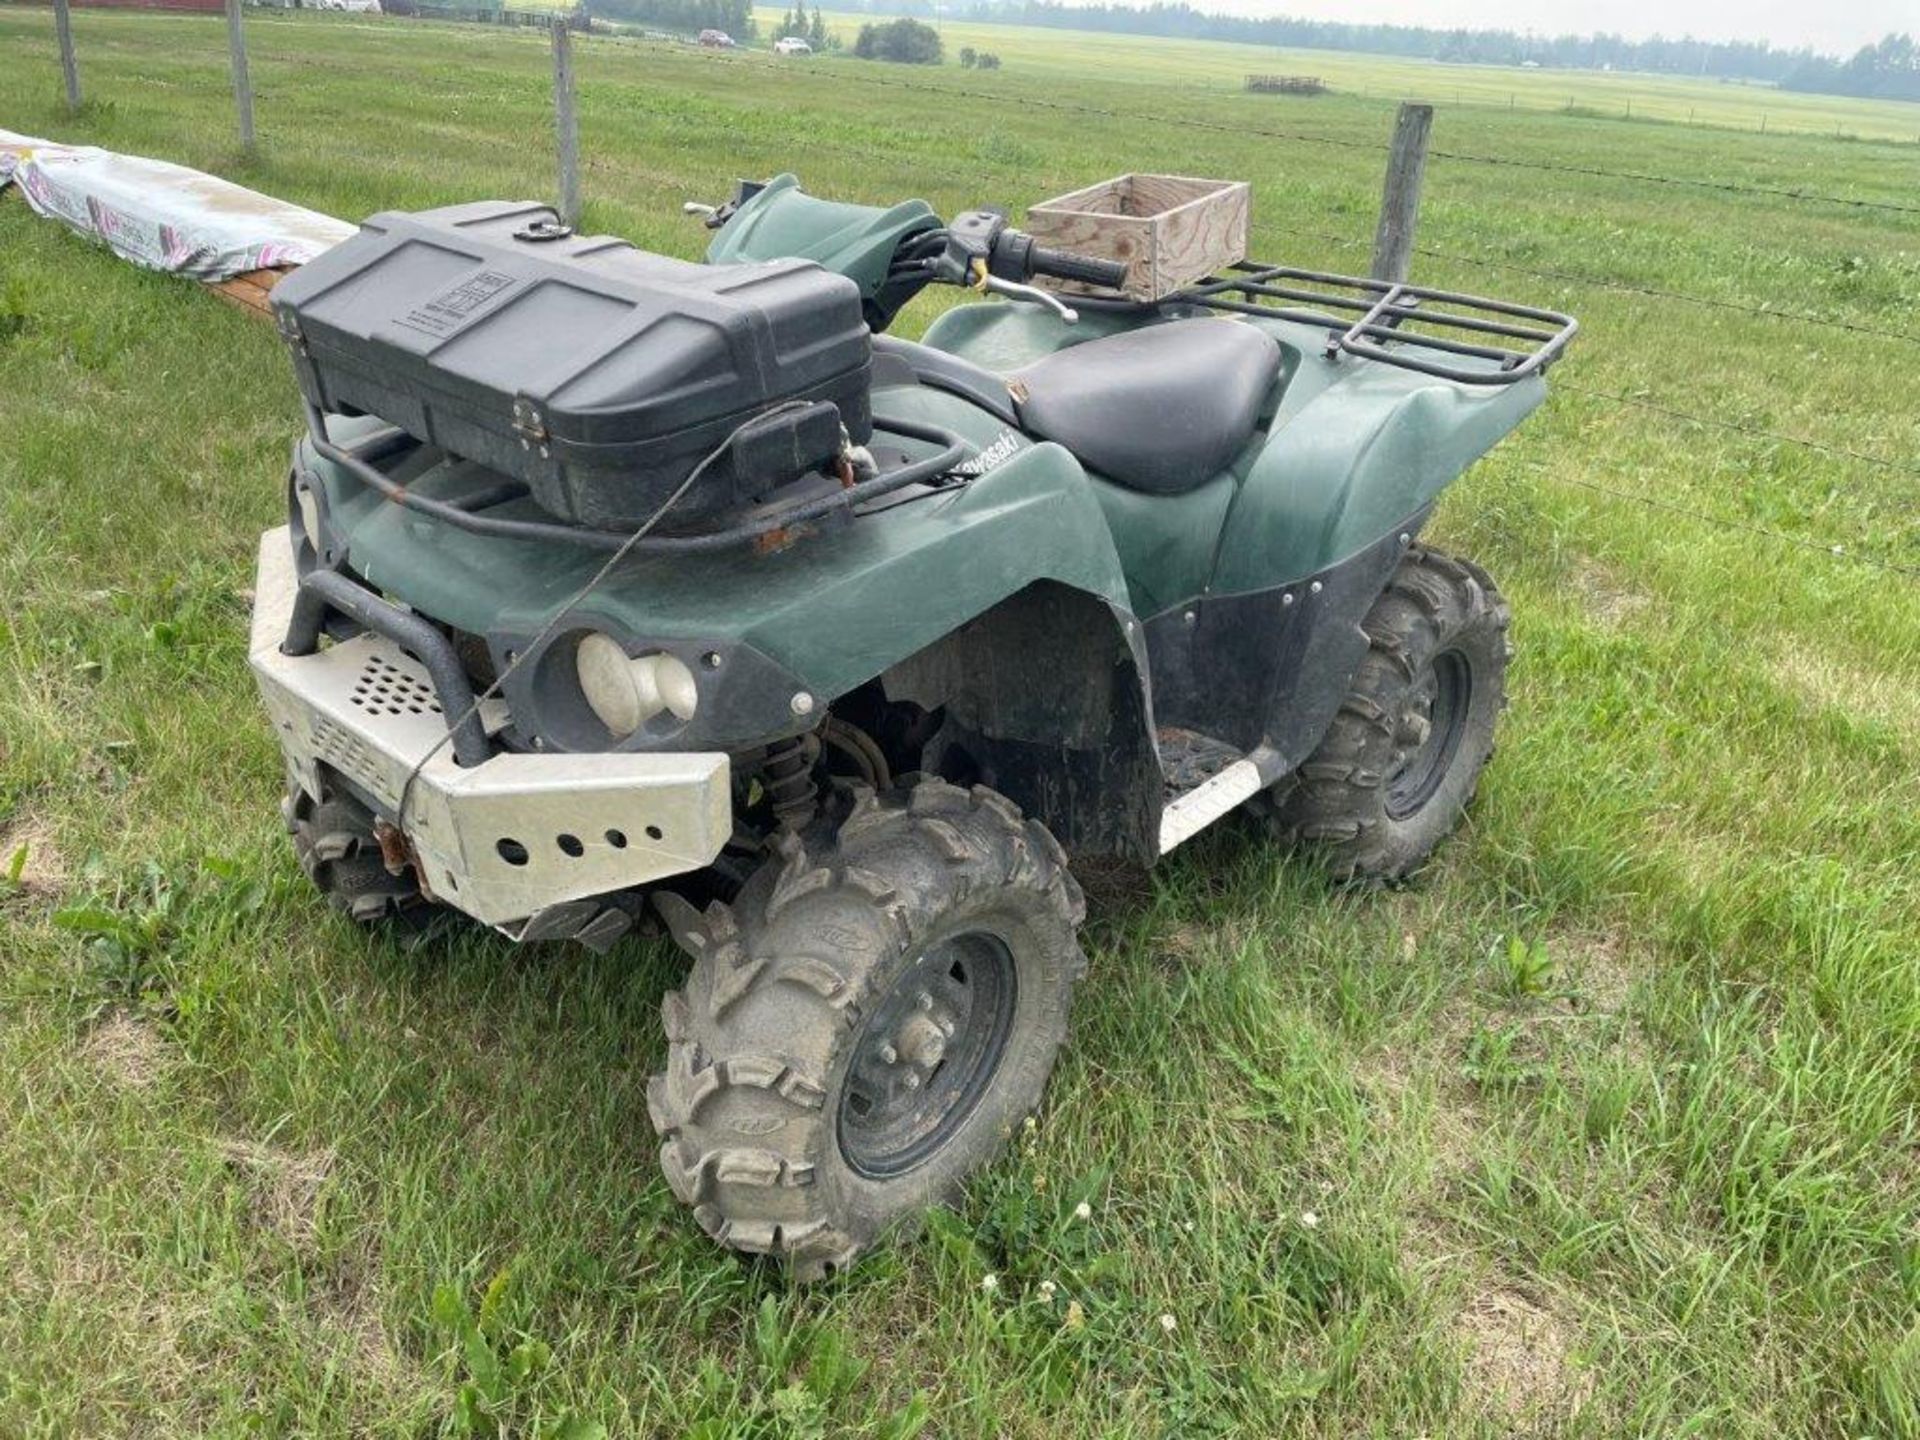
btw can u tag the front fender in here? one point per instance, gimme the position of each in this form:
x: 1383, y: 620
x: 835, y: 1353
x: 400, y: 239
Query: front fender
x: 823, y: 616
x: 782, y: 222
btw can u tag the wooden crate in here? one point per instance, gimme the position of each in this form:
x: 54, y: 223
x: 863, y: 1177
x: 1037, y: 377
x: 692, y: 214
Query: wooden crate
x: 1170, y: 229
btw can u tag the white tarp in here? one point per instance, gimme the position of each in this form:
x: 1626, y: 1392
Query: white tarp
x: 162, y: 216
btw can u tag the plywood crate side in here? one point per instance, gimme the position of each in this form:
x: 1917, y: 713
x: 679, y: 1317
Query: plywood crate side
x: 1170, y: 230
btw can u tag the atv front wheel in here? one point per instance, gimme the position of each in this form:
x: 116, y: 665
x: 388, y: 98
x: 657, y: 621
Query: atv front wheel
x: 1393, y: 774
x: 338, y: 850
x: 866, y: 1024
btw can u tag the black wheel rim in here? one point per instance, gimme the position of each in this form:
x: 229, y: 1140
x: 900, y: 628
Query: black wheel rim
x: 926, y: 1054
x: 1429, y: 732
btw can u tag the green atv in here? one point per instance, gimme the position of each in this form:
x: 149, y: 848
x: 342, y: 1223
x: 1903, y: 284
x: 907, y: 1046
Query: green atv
x: 610, y: 576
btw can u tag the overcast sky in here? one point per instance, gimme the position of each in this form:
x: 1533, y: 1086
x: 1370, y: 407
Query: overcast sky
x: 1836, y: 26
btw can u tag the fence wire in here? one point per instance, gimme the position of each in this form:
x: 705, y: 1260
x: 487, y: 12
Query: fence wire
x: 1194, y: 122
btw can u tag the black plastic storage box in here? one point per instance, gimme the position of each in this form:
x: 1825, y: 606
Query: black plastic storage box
x: 596, y: 373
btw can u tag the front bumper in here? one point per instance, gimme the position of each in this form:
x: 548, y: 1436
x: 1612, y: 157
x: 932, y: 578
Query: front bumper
x: 503, y: 840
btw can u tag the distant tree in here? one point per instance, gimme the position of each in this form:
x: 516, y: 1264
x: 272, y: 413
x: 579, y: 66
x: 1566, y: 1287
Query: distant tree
x: 817, y: 34
x: 903, y: 41
x: 966, y: 57
x: 792, y: 25
x: 733, y: 16
x: 988, y: 60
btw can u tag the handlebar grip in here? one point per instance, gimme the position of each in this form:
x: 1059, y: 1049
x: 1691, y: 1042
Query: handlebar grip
x: 1062, y: 265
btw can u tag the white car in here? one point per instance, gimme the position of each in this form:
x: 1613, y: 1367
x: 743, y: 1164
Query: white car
x: 792, y: 45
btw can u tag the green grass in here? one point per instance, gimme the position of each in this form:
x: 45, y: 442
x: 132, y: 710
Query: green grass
x: 1213, y: 65
x: 1605, y: 1127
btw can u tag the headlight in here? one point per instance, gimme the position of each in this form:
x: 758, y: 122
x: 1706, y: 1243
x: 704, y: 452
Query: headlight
x: 625, y: 692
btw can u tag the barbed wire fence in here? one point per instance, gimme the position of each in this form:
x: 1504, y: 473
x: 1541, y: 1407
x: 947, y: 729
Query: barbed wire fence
x: 1394, y: 244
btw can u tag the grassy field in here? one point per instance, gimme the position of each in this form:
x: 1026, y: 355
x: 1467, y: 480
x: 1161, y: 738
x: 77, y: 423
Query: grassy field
x: 1605, y: 1127
x: 1124, y: 59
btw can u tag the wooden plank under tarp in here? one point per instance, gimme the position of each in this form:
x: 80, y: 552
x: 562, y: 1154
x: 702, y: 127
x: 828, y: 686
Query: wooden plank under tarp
x: 250, y: 291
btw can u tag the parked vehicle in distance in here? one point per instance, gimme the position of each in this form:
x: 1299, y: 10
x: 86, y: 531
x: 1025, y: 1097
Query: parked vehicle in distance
x: 792, y: 45
x: 717, y: 40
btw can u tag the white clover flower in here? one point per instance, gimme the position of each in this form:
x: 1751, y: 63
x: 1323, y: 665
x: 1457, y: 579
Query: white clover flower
x: 1083, y: 1211
x: 1188, y: 1226
x: 1310, y: 1219
x: 989, y: 1283
x: 1047, y: 1287
x: 1169, y: 1324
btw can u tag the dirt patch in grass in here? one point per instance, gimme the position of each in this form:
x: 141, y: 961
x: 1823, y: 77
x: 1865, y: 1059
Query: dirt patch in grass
x: 128, y: 1051
x: 1598, y: 964
x: 286, y: 1187
x: 348, y: 1304
x: 1830, y: 683
x: 45, y: 870
x: 1518, y: 1357
x: 139, y: 1327
x: 1608, y: 599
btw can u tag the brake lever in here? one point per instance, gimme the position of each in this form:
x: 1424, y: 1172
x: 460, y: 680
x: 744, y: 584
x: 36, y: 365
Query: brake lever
x: 711, y: 216
x: 1031, y: 293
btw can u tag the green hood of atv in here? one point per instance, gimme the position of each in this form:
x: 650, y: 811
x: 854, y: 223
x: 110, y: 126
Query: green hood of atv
x: 833, y: 609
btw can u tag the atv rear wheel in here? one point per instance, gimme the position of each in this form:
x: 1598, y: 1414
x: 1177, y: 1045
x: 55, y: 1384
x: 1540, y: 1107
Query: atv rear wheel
x: 867, y: 1023
x: 1395, y: 770
x: 337, y: 848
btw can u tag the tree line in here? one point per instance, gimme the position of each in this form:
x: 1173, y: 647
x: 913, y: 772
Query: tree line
x: 733, y: 16
x: 1734, y: 59
x: 1888, y: 70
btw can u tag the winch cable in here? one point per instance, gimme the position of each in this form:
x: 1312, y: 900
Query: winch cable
x: 953, y: 451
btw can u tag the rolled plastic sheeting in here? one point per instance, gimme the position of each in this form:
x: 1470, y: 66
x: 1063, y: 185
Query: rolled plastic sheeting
x: 164, y: 216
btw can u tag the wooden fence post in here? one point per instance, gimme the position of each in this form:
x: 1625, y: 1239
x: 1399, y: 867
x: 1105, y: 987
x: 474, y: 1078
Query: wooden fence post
x: 242, y: 86
x: 1400, y: 200
x: 63, y: 23
x: 566, y: 122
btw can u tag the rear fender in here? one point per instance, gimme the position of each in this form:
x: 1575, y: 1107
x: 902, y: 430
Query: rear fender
x: 1358, y: 455
x: 1354, y: 450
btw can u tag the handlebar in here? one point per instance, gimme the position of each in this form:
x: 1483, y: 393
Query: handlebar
x: 1062, y: 265
x: 977, y: 249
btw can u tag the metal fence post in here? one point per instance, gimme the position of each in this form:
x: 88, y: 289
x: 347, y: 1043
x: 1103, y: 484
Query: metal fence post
x: 242, y: 86
x: 566, y: 122
x: 1400, y: 201
x: 63, y: 23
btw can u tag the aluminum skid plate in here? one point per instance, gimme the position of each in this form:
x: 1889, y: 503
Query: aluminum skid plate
x: 502, y: 840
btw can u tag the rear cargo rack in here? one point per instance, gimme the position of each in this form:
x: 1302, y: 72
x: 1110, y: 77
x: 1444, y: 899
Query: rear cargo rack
x: 1435, y: 332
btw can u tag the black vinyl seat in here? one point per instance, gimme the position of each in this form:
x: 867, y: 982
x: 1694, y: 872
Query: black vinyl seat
x: 1160, y: 409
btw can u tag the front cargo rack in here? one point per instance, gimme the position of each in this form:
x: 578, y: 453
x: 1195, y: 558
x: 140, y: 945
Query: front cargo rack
x: 1397, y: 324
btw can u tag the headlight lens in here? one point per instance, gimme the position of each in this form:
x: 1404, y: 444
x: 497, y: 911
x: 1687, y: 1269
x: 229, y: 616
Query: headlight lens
x: 625, y: 692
